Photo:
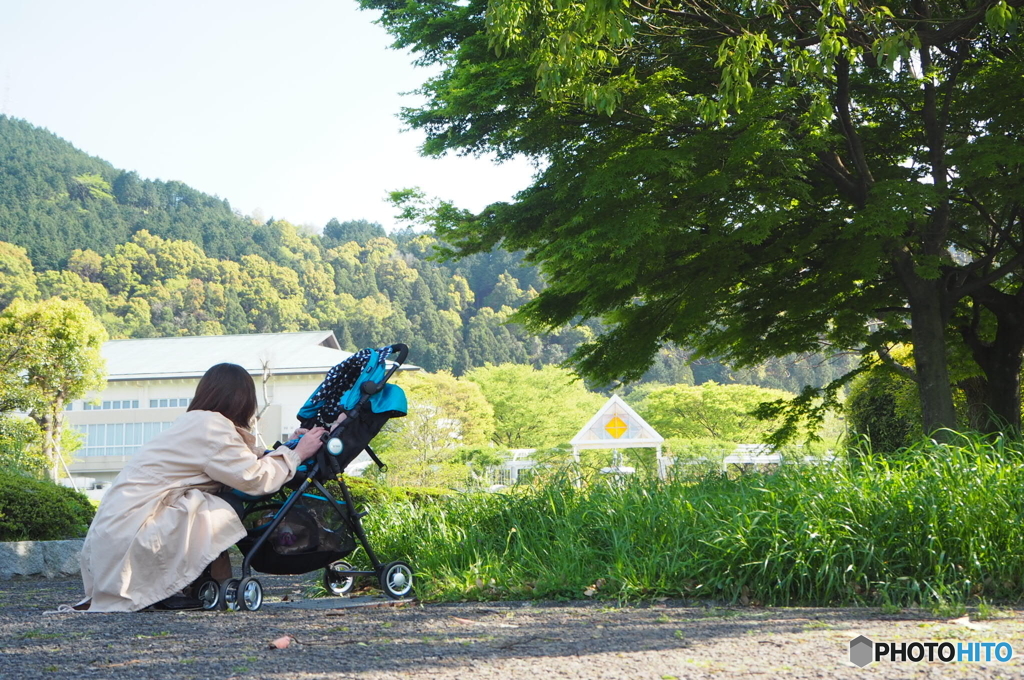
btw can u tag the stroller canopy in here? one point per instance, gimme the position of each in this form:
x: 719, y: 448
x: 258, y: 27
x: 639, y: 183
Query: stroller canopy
x: 342, y: 387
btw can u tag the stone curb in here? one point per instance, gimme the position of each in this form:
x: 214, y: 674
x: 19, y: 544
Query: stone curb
x: 49, y: 559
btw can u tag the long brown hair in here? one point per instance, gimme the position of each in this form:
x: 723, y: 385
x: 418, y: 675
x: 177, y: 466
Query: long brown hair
x: 229, y: 390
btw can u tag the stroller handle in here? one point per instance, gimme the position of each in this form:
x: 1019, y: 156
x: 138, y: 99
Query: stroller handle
x: 402, y: 350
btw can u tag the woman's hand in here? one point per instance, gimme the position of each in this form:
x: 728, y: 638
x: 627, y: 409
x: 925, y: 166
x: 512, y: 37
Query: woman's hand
x: 330, y: 428
x: 310, y: 443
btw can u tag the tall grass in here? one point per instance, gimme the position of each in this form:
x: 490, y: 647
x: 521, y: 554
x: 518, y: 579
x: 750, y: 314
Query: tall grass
x: 942, y: 524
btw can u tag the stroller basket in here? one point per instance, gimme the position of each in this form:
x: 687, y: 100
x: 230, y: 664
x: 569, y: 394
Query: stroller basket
x: 310, y: 536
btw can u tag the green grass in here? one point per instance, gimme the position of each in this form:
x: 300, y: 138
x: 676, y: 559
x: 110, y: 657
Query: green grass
x: 938, y: 528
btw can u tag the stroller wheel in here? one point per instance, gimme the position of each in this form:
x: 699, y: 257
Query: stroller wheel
x: 229, y: 595
x: 396, y: 580
x: 250, y: 595
x: 339, y: 583
x: 208, y: 593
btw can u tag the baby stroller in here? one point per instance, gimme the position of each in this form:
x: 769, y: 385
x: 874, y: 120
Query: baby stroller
x: 303, y: 527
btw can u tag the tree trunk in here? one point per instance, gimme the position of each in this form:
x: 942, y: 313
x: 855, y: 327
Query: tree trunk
x: 1000, y: 361
x: 994, y: 401
x: 930, y: 304
x: 56, y: 427
x: 975, y: 390
x: 45, y: 421
x: 928, y: 325
x: 1004, y: 395
x: 50, y: 423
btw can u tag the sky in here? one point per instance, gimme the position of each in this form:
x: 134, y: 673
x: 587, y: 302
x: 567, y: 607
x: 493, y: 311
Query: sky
x: 286, y: 109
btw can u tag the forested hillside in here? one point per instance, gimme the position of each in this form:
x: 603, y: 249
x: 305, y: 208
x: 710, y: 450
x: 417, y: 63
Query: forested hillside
x: 154, y: 258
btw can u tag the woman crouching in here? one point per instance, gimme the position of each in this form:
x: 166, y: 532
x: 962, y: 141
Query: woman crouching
x: 162, y: 522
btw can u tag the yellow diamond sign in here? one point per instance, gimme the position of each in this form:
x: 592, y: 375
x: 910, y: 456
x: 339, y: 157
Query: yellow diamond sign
x: 615, y: 427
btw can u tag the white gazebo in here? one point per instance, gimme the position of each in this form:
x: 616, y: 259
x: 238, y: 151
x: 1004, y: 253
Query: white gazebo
x: 617, y: 426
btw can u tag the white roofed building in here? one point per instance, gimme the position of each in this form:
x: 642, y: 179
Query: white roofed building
x: 151, y: 381
x: 616, y: 426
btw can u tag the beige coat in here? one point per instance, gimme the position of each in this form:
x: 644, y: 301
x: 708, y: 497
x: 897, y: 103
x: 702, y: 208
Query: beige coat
x: 159, y: 525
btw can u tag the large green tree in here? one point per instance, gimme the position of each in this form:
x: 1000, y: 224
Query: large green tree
x: 49, y: 355
x: 446, y: 415
x: 750, y: 179
x: 537, y: 408
x: 17, y: 280
x: 708, y: 411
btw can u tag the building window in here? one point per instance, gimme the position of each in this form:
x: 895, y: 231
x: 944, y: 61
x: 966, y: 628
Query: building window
x: 169, y: 403
x: 117, y: 439
x: 107, y: 405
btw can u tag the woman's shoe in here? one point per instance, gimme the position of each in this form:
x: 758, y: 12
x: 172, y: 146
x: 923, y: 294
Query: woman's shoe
x: 176, y: 603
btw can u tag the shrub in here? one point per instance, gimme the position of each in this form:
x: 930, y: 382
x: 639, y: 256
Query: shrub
x: 368, y: 492
x: 21, y: 446
x: 35, y: 510
x: 882, y: 406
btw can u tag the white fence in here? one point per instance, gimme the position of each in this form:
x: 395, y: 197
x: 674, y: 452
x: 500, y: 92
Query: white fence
x: 749, y: 456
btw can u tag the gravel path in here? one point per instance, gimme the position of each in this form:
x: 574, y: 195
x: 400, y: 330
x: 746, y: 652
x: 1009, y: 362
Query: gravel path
x: 536, y: 640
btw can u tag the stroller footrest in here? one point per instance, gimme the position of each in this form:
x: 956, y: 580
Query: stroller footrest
x: 360, y: 515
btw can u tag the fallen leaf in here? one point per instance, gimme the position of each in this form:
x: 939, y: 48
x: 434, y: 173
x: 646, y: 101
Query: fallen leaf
x: 594, y: 587
x: 281, y: 642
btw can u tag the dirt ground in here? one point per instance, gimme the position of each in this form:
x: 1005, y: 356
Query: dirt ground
x: 536, y: 640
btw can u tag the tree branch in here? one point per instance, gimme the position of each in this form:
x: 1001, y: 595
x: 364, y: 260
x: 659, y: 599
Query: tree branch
x: 972, y: 286
x: 832, y: 165
x: 841, y: 101
x: 886, y: 358
x: 955, y: 30
x: 950, y: 84
x: 982, y: 210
